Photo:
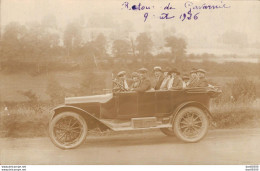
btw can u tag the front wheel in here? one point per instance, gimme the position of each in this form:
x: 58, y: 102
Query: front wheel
x: 191, y: 124
x: 68, y: 130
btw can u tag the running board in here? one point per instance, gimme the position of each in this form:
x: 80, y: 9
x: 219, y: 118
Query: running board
x: 135, y: 124
x: 131, y: 128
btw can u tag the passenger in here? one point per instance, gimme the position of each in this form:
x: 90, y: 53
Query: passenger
x: 120, y: 84
x: 158, y: 76
x: 185, y: 80
x: 175, y: 82
x: 145, y: 83
x: 167, y: 77
x: 193, y: 78
x: 202, y: 81
x: 136, y: 80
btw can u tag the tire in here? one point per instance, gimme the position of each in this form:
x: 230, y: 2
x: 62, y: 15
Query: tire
x: 191, y: 124
x: 168, y: 131
x: 68, y: 130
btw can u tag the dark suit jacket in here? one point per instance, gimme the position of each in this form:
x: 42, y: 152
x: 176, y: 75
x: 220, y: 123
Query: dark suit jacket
x: 177, y: 83
x: 159, y: 82
x: 202, y: 82
x: 144, y: 85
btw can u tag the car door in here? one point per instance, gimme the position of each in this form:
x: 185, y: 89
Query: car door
x: 163, y: 102
x: 126, y: 104
x: 146, y: 104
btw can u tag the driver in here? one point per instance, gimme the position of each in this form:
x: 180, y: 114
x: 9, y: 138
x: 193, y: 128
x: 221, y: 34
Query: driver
x: 145, y: 83
x: 120, y: 84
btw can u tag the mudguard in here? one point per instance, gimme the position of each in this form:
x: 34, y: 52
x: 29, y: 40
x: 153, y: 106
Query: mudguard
x: 191, y: 103
x: 80, y: 111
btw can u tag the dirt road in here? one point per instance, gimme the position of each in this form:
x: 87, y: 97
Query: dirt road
x: 219, y: 147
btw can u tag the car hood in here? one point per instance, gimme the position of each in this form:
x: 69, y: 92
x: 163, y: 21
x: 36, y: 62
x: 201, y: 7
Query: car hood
x: 89, y: 99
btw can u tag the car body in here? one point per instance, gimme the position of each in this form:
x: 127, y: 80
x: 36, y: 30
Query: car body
x: 124, y: 111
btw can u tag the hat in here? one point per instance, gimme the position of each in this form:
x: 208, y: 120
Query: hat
x: 193, y: 70
x: 157, y: 68
x: 167, y: 69
x: 174, y: 70
x: 121, y: 73
x: 135, y: 74
x: 185, y: 77
x: 143, y: 70
x: 201, y: 70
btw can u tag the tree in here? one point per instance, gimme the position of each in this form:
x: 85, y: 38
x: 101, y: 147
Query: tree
x: 144, y: 43
x: 100, y: 44
x: 11, y: 44
x: 178, y: 47
x: 39, y: 44
x: 121, y: 48
x: 72, y: 37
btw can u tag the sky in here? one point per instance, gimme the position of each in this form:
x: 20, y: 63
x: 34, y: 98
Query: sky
x: 235, y: 30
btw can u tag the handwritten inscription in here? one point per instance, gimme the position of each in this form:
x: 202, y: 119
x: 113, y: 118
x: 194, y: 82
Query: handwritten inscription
x: 205, y: 6
x: 138, y: 7
x: 192, y: 10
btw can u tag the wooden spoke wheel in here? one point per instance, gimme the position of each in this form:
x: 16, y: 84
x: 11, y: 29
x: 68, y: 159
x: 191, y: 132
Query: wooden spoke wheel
x: 68, y: 130
x: 191, y: 124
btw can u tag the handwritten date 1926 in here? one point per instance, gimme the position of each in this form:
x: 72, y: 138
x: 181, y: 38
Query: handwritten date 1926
x: 189, y: 15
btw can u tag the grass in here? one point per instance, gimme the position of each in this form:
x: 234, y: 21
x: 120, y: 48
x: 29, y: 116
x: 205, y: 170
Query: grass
x: 24, y: 121
x: 232, y: 115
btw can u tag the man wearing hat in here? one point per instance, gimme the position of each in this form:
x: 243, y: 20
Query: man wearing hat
x: 167, y: 77
x: 202, y: 81
x: 120, y: 84
x: 158, y: 77
x: 193, y: 78
x: 175, y: 82
x: 185, y: 80
x: 145, y: 83
x: 136, y: 80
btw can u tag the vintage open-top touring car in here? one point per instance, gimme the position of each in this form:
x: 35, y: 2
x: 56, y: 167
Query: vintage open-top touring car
x: 183, y: 113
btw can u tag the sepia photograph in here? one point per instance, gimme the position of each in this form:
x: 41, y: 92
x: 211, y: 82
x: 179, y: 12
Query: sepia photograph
x: 129, y: 82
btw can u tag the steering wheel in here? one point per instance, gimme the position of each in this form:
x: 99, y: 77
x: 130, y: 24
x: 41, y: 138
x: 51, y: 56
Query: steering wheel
x: 120, y: 87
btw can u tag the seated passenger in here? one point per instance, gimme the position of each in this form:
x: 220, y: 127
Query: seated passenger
x: 145, y: 83
x: 193, y: 78
x: 120, y: 84
x: 136, y: 80
x: 158, y: 77
x: 185, y: 80
x: 202, y: 81
x: 175, y: 82
x: 167, y: 77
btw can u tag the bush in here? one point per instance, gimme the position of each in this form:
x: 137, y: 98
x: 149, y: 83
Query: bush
x: 243, y: 90
x: 235, y: 107
x: 55, y: 90
x: 236, y: 116
x: 240, y: 91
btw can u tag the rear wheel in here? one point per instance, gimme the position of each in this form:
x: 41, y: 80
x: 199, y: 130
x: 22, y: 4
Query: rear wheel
x: 191, y: 124
x: 68, y: 130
